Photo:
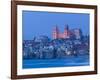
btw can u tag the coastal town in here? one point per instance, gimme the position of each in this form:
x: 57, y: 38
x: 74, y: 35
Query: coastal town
x: 70, y: 42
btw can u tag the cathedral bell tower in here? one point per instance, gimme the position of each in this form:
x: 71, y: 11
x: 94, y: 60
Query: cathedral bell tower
x: 66, y: 32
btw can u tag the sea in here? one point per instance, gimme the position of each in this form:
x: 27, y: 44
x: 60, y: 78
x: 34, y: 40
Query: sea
x: 69, y: 61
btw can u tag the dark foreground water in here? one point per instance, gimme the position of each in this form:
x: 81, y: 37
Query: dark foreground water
x: 46, y: 63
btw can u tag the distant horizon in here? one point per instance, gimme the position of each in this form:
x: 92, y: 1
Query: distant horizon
x: 60, y: 32
x: 42, y: 23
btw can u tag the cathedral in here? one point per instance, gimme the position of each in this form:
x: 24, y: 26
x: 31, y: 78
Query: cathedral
x: 56, y: 34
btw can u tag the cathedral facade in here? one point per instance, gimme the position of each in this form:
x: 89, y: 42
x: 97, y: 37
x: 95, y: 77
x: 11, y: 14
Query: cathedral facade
x: 56, y: 34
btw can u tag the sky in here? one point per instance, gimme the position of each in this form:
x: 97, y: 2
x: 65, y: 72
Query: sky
x: 36, y: 23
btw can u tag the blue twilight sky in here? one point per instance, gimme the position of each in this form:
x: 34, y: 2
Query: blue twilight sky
x: 42, y: 23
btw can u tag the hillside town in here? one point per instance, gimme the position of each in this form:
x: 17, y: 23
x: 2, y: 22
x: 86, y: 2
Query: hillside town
x: 70, y: 42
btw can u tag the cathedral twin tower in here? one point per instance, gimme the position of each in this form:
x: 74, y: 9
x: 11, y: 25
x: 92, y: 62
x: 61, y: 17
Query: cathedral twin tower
x: 57, y: 34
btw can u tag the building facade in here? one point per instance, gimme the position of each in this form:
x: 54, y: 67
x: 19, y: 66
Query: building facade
x: 56, y: 34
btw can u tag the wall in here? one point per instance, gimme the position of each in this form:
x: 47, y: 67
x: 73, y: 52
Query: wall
x: 5, y: 50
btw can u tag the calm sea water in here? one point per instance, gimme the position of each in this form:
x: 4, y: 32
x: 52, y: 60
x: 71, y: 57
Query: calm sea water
x: 46, y: 63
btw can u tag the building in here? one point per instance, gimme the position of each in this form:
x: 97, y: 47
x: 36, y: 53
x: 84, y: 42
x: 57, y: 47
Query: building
x: 56, y: 34
x: 77, y: 33
x: 42, y: 38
